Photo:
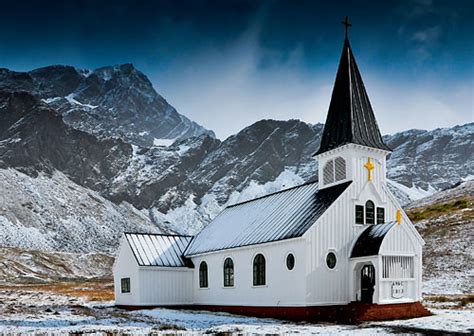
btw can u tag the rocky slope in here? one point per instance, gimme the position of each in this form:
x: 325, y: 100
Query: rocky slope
x: 101, y: 133
x: 445, y: 220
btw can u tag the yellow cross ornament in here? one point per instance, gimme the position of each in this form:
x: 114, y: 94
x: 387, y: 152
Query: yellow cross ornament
x: 399, y: 217
x: 369, y: 166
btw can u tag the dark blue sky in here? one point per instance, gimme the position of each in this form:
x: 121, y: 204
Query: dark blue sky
x: 227, y: 64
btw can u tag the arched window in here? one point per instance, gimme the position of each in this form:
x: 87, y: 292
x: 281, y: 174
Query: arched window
x: 334, y: 170
x: 369, y: 212
x: 228, y: 273
x: 328, y: 172
x: 259, y: 270
x: 203, y: 282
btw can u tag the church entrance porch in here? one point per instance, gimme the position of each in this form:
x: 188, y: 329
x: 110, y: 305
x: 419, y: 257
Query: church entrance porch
x: 364, y: 280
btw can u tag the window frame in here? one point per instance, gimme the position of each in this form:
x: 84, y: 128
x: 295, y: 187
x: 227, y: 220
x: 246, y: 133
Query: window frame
x: 367, y: 208
x: 228, y: 273
x: 203, y: 275
x: 259, y: 270
x: 125, y: 285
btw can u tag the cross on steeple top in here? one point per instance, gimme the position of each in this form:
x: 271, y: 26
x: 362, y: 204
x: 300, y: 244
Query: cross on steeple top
x: 346, y: 24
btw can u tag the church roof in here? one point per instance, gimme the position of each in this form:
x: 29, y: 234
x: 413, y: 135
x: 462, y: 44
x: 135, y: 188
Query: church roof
x: 350, y: 117
x: 370, y: 240
x: 281, y: 215
x: 158, y: 249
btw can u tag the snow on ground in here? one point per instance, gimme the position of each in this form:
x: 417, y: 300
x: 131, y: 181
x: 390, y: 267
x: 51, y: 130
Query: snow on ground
x: 34, y: 312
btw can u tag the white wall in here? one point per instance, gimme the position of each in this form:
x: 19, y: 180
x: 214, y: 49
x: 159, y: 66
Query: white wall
x: 283, y: 287
x: 126, y: 266
x: 401, y: 242
x: 165, y: 285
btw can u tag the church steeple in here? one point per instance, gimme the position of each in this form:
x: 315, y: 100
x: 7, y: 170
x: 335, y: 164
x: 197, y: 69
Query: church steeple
x: 350, y: 117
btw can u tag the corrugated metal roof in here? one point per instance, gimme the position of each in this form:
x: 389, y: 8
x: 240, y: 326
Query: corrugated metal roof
x: 158, y: 249
x: 371, y: 239
x: 350, y: 117
x: 282, y: 215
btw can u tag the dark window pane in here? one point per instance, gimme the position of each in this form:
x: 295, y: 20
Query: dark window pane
x: 331, y: 260
x: 370, y: 212
x: 228, y: 273
x: 290, y: 261
x: 259, y: 270
x: 203, y: 283
x: 125, y: 285
x: 380, y: 215
x: 359, y: 214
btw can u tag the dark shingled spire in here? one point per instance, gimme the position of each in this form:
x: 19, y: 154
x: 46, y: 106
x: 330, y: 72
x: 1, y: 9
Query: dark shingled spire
x: 350, y: 117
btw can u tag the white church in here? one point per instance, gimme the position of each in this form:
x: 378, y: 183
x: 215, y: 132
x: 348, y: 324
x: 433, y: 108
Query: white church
x: 340, y: 249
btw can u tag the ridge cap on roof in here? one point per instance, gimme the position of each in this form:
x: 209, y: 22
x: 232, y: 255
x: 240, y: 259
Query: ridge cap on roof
x: 157, y: 234
x: 272, y: 193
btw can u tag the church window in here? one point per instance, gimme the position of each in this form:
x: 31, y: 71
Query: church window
x: 203, y: 280
x: 339, y: 169
x: 125, y: 285
x: 331, y: 260
x: 334, y: 170
x: 398, y: 267
x: 370, y: 212
x: 259, y: 270
x: 359, y: 214
x: 380, y: 215
x: 228, y: 273
x: 328, y: 172
x: 290, y: 261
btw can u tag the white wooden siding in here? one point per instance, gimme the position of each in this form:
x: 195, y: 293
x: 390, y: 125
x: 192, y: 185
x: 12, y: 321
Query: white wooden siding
x: 283, y: 287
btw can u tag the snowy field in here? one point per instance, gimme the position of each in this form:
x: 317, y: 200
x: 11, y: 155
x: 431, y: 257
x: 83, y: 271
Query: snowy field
x: 29, y: 312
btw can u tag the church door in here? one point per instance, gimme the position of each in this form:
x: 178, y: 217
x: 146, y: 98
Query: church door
x: 367, y: 276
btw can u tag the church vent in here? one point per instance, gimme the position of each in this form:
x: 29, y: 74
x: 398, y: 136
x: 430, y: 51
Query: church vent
x: 334, y: 170
x: 340, y: 169
x: 328, y: 172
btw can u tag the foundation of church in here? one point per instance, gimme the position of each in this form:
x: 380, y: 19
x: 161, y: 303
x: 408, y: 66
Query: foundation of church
x: 352, y: 313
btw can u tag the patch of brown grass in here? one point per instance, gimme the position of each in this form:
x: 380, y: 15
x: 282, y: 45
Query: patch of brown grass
x: 92, y: 290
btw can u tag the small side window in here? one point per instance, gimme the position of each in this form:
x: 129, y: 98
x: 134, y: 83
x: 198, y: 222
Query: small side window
x: 359, y: 214
x: 331, y: 260
x: 125, y: 285
x: 380, y: 215
x: 203, y: 281
x: 290, y: 261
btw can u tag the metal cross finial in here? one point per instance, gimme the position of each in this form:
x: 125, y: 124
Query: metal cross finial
x: 346, y: 24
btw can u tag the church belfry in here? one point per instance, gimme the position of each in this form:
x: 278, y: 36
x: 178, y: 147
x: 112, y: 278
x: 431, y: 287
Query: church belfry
x: 350, y: 126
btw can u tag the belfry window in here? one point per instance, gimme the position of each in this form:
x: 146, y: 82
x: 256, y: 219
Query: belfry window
x: 334, y: 170
x: 259, y: 270
x: 203, y: 280
x: 369, y: 212
x: 380, y: 215
x: 228, y: 273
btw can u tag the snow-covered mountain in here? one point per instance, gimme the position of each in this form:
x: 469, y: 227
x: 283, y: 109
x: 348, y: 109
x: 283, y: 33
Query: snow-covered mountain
x: 108, y: 134
x: 113, y: 101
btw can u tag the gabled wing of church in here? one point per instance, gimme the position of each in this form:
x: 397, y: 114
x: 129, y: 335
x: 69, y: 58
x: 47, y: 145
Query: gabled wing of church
x: 350, y: 117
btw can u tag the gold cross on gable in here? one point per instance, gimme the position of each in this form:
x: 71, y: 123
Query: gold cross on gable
x: 369, y: 166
